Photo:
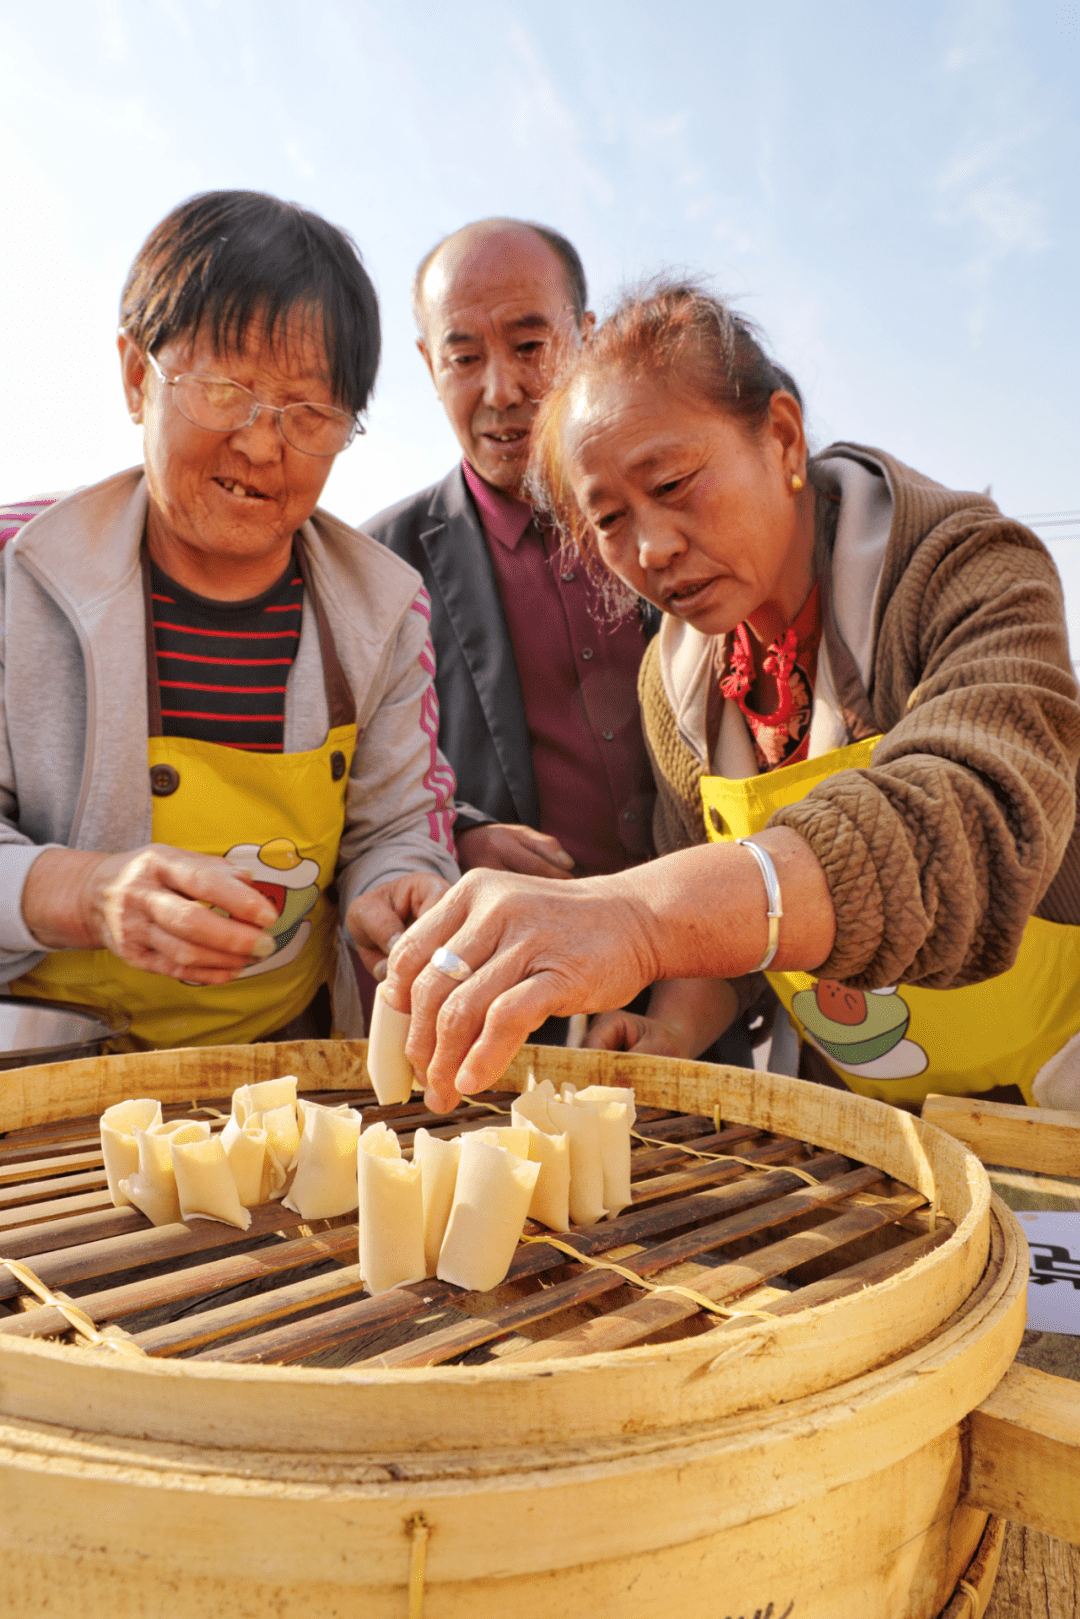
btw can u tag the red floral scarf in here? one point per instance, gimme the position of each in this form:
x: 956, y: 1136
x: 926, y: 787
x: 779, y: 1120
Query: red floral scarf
x: 782, y: 737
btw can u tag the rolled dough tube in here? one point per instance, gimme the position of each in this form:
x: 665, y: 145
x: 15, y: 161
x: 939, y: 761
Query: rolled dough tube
x: 152, y: 1188
x: 515, y: 1138
x: 491, y: 1199
x: 245, y: 1148
x: 204, y: 1183
x: 614, y: 1120
x: 391, y: 1212
x: 325, y: 1182
x: 390, y: 1070
x: 260, y: 1098
x: 544, y: 1109
x: 610, y: 1093
x: 438, y: 1162
x: 119, y: 1147
x: 551, y: 1195
x: 282, y: 1142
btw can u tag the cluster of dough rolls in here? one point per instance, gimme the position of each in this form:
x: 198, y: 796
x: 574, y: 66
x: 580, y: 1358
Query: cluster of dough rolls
x: 275, y: 1146
x: 455, y: 1211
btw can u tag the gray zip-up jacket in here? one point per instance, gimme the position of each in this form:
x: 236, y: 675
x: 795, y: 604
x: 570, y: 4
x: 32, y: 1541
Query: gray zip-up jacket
x: 73, y: 713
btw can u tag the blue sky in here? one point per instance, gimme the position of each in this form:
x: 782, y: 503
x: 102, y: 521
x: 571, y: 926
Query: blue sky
x: 891, y: 192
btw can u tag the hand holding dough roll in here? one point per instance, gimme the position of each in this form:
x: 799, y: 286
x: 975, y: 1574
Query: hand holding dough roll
x: 325, y: 1182
x: 438, y: 1160
x: 551, y: 1195
x: 491, y: 1198
x: 391, y: 1212
x: 153, y: 1188
x: 390, y: 1070
x: 204, y: 1183
x: 119, y: 1147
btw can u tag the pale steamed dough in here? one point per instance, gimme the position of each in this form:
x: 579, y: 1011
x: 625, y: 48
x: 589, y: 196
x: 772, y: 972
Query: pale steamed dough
x: 551, y: 1195
x: 605, y: 1093
x: 325, y: 1182
x: 119, y: 1147
x: 282, y: 1141
x: 515, y: 1138
x: 204, y: 1183
x: 261, y: 1098
x: 582, y: 1125
x: 456, y: 1211
x: 391, y: 1213
x: 390, y: 1070
x: 614, y: 1119
x: 152, y: 1188
x: 245, y: 1148
x: 493, y: 1192
x: 438, y: 1160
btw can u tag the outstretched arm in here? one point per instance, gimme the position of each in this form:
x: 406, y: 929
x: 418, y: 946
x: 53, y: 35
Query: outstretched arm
x: 538, y: 948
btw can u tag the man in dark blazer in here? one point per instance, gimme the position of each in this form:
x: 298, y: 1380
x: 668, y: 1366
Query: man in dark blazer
x: 538, y: 709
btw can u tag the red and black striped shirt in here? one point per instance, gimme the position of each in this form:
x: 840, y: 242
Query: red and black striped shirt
x: 222, y: 666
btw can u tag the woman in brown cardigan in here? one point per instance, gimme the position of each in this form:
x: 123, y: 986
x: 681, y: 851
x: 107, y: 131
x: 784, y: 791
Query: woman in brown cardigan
x: 861, y: 692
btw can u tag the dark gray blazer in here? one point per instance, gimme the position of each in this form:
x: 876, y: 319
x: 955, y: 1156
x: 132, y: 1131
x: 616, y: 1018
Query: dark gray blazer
x: 482, y: 726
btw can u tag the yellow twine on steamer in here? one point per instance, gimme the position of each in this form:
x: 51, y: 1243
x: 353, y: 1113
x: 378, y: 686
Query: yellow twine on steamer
x: 84, y: 1327
x: 419, y: 1529
x: 700, y: 1299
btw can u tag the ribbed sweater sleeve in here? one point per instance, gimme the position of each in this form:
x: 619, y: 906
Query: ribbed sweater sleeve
x: 938, y: 854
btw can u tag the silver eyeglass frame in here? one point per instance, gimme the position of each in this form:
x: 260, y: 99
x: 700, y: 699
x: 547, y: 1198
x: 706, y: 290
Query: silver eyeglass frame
x: 257, y: 406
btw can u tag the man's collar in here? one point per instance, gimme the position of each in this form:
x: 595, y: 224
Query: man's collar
x: 504, y: 517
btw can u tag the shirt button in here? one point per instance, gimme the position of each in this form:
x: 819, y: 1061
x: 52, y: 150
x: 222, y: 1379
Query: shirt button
x: 568, y: 578
x: 164, y: 780
x: 629, y: 815
x: 608, y: 736
x: 586, y: 652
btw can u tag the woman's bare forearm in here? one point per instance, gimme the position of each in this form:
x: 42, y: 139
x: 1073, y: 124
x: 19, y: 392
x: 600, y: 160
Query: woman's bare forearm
x: 704, y: 909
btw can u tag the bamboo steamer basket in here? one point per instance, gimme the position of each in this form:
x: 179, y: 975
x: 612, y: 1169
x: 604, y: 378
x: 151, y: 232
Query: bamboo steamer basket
x: 840, y: 1461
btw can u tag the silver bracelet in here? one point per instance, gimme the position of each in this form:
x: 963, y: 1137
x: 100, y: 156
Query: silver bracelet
x: 772, y: 898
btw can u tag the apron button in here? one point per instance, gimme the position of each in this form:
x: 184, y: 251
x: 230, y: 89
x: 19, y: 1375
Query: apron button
x: 337, y: 764
x: 164, y: 780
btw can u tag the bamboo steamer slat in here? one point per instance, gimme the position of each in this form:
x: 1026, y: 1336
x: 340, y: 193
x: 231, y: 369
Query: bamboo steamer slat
x: 815, y: 1461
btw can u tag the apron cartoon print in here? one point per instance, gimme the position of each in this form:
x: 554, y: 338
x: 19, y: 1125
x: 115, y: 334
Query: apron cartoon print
x: 279, y: 817
x: 902, y: 1042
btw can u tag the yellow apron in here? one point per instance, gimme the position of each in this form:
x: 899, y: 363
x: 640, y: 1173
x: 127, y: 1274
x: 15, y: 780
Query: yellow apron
x: 899, y: 1044
x: 280, y: 817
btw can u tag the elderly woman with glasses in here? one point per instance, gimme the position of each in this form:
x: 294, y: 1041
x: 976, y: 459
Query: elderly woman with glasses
x: 218, y: 720
x: 865, y: 733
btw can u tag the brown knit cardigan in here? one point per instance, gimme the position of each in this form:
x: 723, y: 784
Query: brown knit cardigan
x: 964, y: 825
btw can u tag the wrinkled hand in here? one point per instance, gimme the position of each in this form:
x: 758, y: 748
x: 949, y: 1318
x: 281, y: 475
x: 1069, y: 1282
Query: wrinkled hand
x: 631, y: 1031
x: 536, y: 948
x: 378, y: 918
x: 151, y: 907
x: 522, y: 849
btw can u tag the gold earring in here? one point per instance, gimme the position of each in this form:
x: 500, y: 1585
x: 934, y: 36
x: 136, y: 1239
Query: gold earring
x: 796, y: 482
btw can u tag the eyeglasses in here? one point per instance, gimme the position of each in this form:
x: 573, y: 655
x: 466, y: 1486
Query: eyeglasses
x: 223, y: 406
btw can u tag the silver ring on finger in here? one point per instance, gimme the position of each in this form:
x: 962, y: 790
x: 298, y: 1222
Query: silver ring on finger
x: 445, y: 961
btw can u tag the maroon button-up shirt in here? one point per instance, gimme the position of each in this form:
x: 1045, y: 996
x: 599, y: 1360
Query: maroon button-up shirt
x: 578, y: 678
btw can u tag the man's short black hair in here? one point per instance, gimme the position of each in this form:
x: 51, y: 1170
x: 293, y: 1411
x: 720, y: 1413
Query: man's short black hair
x: 224, y: 258
x: 564, y: 250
